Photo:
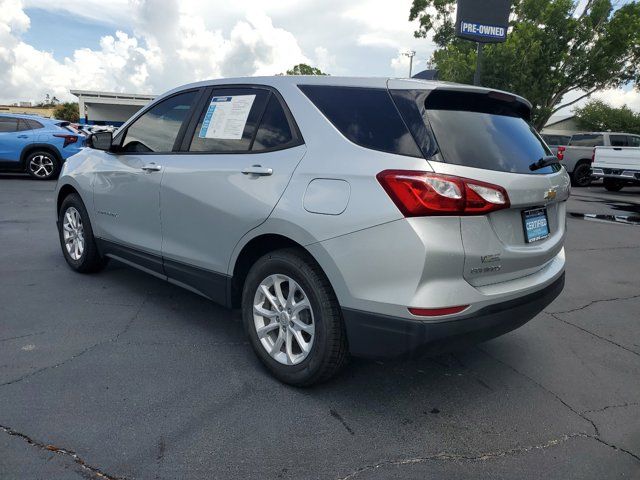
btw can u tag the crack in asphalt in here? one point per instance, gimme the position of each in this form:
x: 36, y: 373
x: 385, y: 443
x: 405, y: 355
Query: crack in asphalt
x: 592, y: 333
x: 607, y: 407
x: 593, y: 302
x: 535, y: 382
x: 604, y: 248
x: 95, y: 472
x: 82, y: 352
x: 49, y: 367
x: 185, y: 345
x: 445, y: 456
x: 582, y: 415
x: 22, y: 336
x: 620, y: 449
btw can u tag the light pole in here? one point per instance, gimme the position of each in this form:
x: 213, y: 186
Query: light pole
x: 410, y: 54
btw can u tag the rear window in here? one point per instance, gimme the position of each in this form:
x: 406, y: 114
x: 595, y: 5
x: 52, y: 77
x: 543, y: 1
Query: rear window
x: 488, y: 131
x: 619, y: 140
x: 587, y: 140
x: 365, y: 116
x: 555, y: 139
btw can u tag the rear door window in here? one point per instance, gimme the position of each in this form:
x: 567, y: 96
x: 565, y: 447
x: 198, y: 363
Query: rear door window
x: 228, y: 123
x: 34, y: 125
x: 634, y: 141
x: 8, y: 124
x: 23, y: 125
x: 365, y: 116
x: 587, y: 140
x: 619, y: 140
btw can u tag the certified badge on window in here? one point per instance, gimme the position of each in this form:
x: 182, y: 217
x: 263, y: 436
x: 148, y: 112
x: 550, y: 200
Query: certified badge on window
x: 226, y: 117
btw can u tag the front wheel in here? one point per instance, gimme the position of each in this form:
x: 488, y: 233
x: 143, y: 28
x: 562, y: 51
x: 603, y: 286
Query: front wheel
x: 76, y: 237
x: 42, y: 165
x: 293, y: 319
x: 612, y: 185
x: 581, y: 176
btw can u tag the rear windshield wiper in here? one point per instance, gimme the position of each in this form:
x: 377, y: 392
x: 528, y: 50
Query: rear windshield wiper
x: 544, y: 162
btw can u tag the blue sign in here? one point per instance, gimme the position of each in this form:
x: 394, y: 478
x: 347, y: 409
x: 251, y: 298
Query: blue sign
x: 487, y: 31
x: 483, y: 21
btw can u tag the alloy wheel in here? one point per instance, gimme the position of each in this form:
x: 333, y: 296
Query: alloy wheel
x: 41, y: 166
x: 283, y: 319
x: 73, y: 233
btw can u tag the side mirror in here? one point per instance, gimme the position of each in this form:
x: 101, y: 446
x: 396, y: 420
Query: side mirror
x: 101, y: 140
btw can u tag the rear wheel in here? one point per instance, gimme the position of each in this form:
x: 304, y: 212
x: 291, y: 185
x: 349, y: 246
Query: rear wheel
x: 76, y: 237
x: 42, y: 165
x: 581, y: 176
x: 613, y: 185
x: 293, y: 319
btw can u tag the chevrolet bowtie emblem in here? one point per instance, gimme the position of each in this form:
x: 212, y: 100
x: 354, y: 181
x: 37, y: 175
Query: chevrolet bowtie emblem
x: 550, y: 194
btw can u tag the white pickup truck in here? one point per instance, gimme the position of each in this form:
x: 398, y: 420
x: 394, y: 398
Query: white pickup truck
x: 578, y: 154
x: 617, y: 166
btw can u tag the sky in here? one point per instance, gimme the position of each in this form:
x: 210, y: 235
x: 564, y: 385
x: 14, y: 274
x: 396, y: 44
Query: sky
x: 150, y: 46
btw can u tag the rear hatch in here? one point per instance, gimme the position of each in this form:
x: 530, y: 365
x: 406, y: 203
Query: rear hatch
x: 485, y: 136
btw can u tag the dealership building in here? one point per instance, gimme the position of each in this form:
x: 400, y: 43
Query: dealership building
x: 108, y: 108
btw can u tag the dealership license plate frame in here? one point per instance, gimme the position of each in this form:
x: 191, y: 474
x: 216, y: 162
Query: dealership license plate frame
x: 532, y: 213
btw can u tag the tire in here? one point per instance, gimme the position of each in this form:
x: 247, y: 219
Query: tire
x: 613, y: 185
x: 42, y: 165
x: 86, y: 259
x: 294, y: 270
x: 581, y: 176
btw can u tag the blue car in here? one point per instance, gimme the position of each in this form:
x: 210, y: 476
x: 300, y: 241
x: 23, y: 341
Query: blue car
x: 36, y: 145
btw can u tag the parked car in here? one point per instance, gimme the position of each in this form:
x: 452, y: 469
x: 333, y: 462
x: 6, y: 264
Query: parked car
x: 555, y: 140
x: 36, y: 145
x: 618, y: 166
x: 578, y: 155
x: 331, y: 211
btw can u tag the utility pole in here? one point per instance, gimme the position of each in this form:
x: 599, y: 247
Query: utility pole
x: 477, y: 78
x: 410, y: 54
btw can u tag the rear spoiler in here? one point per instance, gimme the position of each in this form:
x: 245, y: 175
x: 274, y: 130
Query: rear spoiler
x: 479, y: 100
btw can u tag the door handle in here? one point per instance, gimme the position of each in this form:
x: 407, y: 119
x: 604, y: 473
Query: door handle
x: 23, y: 136
x: 151, y: 167
x: 258, y: 170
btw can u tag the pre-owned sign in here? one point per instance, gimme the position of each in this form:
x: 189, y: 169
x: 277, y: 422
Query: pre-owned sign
x: 483, y: 21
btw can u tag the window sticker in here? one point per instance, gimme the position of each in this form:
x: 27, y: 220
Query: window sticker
x: 226, y: 117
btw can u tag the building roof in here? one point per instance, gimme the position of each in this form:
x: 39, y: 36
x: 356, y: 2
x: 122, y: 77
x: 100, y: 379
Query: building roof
x: 98, y: 94
x: 559, y: 120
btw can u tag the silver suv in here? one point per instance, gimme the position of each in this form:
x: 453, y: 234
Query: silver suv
x: 371, y: 217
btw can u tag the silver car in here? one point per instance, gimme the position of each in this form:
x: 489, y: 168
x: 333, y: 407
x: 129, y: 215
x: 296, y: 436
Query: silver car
x: 364, y: 216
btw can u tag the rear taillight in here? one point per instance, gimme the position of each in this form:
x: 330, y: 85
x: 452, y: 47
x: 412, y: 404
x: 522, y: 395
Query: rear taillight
x: 560, y: 153
x: 419, y: 194
x: 68, y: 139
x: 593, y: 155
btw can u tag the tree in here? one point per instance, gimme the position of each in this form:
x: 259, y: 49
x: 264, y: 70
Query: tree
x: 304, y: 69
x: 67, y: 111
x: 598, y: 116
x: 554, y: 48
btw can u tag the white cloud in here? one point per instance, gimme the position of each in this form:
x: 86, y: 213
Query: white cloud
x: 160, y: 55
x: 172, y: 42
x: 618, y: 98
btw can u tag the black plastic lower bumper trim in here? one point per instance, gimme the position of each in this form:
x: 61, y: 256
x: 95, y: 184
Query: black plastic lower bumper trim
x: 372, y: 335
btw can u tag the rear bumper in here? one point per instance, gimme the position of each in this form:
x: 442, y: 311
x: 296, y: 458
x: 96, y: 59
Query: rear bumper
x: 378, y: 336
x: 624, y: 174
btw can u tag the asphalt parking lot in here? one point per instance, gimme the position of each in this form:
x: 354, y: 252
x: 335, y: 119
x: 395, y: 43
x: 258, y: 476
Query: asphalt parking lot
x: 120, y: 375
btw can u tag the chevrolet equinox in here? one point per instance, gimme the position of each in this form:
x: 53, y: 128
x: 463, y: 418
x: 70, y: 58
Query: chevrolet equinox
x: 364, y: 216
